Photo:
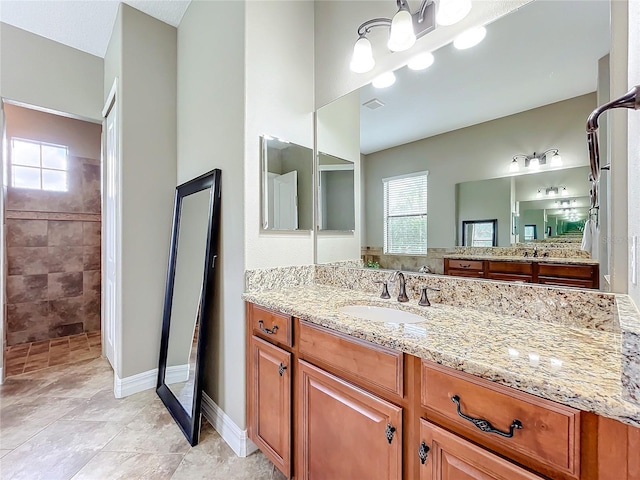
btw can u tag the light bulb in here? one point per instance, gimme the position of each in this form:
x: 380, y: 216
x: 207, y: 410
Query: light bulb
x: 470, y: 38
x: 385, y: 80
x: 539, y: 194
x: 401, y: 36
x: 452, y: 11
x: 565, y: 192
x: 552, y: 193
x: 514, y: 167
x: 421, y: 61
x: 534, y: 163
x: 362, y: 60
x: 556, y: 160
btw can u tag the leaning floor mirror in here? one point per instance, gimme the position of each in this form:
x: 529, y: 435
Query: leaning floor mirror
x: 188, y: 299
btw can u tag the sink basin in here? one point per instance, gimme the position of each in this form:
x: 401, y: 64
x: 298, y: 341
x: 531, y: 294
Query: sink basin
x: 381, y: 314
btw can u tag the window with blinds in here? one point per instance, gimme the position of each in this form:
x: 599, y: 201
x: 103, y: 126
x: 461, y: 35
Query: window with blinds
x: 405, y: 214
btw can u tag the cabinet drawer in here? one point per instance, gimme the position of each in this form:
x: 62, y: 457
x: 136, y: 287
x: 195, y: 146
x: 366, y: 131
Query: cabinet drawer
x: 570, y: 271
x: 273, y: 326
x: 466, y: 264
x: 466, y: 273
x: 362, y: 362
x: 511, y: 267
x: 566, y: 282
x: 550, y: 436
x: 509, y: 277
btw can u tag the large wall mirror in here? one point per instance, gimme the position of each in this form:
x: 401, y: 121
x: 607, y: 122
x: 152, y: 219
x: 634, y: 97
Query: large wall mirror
x: 188, y: 300
x: 464, y: 119
x: 287, y: 185
x: 336, y: 193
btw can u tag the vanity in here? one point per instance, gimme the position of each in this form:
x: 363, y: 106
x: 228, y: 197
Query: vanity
x: 462, y: 394
x: 567, y: 272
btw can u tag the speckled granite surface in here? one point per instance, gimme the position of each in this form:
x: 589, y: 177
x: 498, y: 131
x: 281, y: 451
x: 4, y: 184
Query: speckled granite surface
x: 279, y: 277
x: 579, y: 367
x: 530, y: 258
x: 566, y: 306
x: 520, y: 250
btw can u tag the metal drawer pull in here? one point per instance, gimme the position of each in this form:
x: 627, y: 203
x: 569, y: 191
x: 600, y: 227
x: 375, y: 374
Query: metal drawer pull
x: 423, y: 452
x: 465, y: 266
x: 390, y: 431
x: 484, y: 425
x: 266, y: 330
x: 281, y: 369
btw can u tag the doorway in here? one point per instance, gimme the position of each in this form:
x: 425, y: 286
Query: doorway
x: 52, y: 211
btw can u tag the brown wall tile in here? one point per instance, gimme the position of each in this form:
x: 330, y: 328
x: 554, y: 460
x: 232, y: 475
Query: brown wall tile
x: 26, y: 288
x: 91, y: 258
x: 25, y: 336
x: 91, y: 282
x: 65, y: 259
x: 65, y: 330
x: 65, y: 310
x: 27, y: 316
x: 64, y: 285
x: 26, y: 233
x: 91, y: 310
x: 63, y: 233
x: 91, y: 234
x: 27, y: 260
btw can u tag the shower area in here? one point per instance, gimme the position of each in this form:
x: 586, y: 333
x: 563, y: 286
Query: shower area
x: 52, y: 242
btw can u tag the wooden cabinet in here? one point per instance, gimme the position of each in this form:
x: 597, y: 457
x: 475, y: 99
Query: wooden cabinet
x: 344, y: 431
x: 558, y: 274
x: 270, y: 387
x: 450, y: 457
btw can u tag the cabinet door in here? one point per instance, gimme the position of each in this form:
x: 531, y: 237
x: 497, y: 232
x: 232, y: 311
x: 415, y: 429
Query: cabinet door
x: 344, y: 431
x: 450, y: 457
x: 270, y: 422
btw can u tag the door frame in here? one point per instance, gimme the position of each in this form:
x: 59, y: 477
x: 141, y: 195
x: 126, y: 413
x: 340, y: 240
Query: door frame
x: 3, y: 250
x: 112, y: 100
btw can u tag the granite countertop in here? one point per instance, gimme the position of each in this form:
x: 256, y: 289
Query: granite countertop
x: 504, y: 258
x: 574, y: 366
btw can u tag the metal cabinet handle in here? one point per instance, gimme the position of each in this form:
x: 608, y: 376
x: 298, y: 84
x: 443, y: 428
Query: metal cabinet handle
x: 281, y: 369
x: 465, y: 266
x: 266, y: 330
x: 390, y: 431
x: 423, y: 452
x: 484, y: 425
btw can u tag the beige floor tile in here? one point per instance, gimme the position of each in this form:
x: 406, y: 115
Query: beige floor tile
x: 24, y: 418
x: 59, y: 451
x: 3, y: 452
x: 18, y: 388
x: 78, y: 384
x: 213, y: 459
x: 104, y: 407
x: 129, y: 466
x: 152, y: 431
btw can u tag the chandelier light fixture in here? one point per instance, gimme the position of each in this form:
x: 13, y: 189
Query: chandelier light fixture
x: 534, y: 161
x: 405, y: 27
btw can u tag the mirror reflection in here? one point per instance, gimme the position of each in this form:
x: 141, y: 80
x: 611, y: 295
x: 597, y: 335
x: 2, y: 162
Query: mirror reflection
x: 183, y: 330
x: 464, y: 119
x: 336, y: 193
x: 287, y: 185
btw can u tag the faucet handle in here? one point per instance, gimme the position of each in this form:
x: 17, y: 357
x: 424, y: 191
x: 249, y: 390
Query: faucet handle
x: 385, y: 290
x: 424, y: 300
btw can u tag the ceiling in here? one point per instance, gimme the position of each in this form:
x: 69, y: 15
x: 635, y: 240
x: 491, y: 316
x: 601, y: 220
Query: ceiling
x: 545, y: 52
x: 82, y: 24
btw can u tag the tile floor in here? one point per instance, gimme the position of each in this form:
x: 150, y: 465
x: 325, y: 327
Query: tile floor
x: 63, y: 422
x: 29, y: 357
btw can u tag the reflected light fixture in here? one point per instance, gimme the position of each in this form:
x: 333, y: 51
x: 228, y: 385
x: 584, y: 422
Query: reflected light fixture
x: 385, y: 80
x: 405, y: 27
x: 534, y: 161
x: 421, y: 61
x: 470, y: 38
x: 553, y: 192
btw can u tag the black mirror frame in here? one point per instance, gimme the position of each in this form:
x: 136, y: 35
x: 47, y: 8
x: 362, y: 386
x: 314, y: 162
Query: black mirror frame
x: 494, y: 240
x: 190, y: 424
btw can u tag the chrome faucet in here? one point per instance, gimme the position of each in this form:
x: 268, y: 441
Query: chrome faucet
x: 424, y: 269
x: 535, y: 252
x: 402, y: 294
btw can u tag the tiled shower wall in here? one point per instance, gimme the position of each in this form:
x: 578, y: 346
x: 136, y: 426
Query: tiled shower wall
x: 53, y: 247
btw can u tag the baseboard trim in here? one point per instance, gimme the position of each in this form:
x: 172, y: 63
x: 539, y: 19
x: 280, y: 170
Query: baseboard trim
x: 231, y: 433
x: 123, y: 387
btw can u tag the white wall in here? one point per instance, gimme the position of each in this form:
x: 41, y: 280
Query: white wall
x: 338, y: 134
x: 634, y: 139
x: 211, y: 41
x: 279, y: 92
x: 144, y: 59
x: 474, y: 153
x: 44, y: 73
x: 336, y: 31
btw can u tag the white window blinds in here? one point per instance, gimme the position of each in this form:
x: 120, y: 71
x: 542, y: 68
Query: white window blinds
x: 405, y: 214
